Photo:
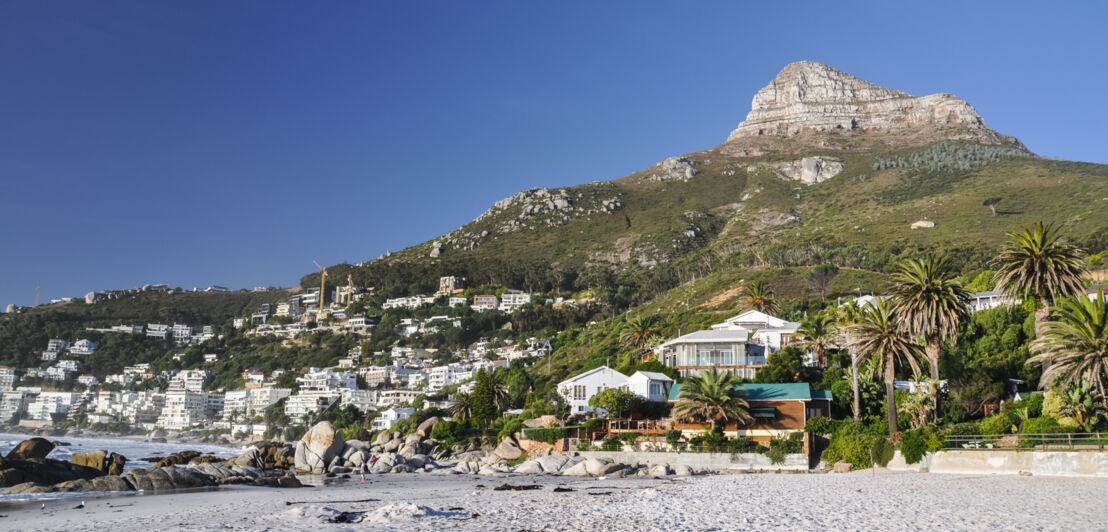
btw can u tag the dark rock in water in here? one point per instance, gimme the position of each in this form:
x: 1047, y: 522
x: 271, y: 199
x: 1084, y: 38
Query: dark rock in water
x: 288, y: 481
x: 43, y: 471
x: 62, y: 444
x: 205, y: 459
x: 157, y: 439
x: 32, y: 448
x: 180, y: 458
x: 111, y: 464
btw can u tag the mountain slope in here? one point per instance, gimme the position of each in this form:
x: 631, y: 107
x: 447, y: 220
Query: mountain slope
x: 826, y: 168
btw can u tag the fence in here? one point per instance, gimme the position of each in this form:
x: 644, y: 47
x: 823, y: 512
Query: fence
x: 1092, y: 441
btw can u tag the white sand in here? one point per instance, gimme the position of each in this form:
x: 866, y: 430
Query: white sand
x: 856, y: 501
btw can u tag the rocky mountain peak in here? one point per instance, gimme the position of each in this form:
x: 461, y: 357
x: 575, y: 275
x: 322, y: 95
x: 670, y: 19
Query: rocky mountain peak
x: 812, y: 99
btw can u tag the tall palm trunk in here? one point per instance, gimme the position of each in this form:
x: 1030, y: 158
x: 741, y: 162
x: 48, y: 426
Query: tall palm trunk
x: 890, y: 395
x: 857, y: 392
x: 1042, y: 314
x: 933, y: 350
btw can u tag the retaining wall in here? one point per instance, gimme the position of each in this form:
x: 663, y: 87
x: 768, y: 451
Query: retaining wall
x: 996, y: 462
x: 705, y: 461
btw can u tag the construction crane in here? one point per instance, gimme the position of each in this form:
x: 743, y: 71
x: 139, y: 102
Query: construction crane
x: 322, y: 283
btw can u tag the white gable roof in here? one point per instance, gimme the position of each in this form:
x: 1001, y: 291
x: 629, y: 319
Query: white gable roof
x: 652, y: 376
x: 753, y: 320
x: 601, y: 372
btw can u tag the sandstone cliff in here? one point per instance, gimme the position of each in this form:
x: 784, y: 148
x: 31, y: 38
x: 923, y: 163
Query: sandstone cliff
x: 810, y: 104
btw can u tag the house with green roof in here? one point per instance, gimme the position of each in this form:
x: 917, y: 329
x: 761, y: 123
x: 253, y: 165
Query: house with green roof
x: 778, y: 409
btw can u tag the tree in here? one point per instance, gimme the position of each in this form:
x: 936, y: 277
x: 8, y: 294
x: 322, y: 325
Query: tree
x: 846, y: 316
x: 930, y: 304
x: 1035, y: 263
x: 483, y: 409
x: 1084, y: 406
x: 786, y: 365
x: 1073, y: 347
x: 878, y: 335
x: 501, y: 396
x: 821, y: 276
x: 991, y: 204
x: 759, y: 296
x: 462, y: 410
x: 817, y: 332
x: 617, y: 401
x: 712, y: 396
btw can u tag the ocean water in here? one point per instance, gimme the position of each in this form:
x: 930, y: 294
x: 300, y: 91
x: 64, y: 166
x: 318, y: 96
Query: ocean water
x: 133, y: 450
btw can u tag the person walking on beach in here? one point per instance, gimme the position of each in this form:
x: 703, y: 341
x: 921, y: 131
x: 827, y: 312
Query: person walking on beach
x: 362, y: 469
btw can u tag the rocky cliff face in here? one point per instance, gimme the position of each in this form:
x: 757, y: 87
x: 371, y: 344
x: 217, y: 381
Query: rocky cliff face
x: 820, y: 106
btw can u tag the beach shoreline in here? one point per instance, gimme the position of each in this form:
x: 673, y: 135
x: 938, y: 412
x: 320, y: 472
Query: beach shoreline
x: 854, y: 501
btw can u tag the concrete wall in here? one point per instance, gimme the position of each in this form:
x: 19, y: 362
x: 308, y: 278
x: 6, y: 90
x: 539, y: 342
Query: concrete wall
x: 995, y: 462
x: 708, y: 461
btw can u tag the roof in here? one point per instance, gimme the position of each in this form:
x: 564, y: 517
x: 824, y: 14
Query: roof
x: 590, y: 372
x: 720, y: 335
x: 654, y: 376
x: 821, y: 394
x: 778, y: 391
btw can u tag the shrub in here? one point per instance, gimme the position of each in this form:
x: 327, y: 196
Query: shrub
x: 673, y: 438
x: 1042, y: 425
x: 776, y: 455
x: 629, y: 438
x: 996, y: 424
x: 964, y: 429
x: 548, y: 435
x: 818, y: 425
x: 881, y: 451
x: 591, y: 423
x: 851, y: 442
x: 610, y: 444
x: 509, y: 428
x: 913, y: 445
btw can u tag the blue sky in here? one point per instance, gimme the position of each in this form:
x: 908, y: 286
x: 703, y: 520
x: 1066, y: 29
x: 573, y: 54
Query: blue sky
x: 232, y: 143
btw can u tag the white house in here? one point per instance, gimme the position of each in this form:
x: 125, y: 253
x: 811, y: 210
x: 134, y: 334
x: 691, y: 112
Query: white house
x: 770, y: 332
x: 83, y: 347
x: 389, y: 417
x: 577, y: 390
x: 726, y: 350
x: 653, y: 386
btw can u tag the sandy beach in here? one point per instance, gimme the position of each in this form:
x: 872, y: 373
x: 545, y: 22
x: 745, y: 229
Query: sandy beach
x: 855, y: 501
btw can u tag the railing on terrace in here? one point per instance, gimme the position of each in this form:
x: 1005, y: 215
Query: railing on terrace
x: 645, y: 426
x: 1087, y: 441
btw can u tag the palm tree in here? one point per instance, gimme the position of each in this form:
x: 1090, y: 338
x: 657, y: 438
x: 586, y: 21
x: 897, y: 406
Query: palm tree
x: 877, y: 334
x: 712, y: 396
x: 1037, y: 264
x: 846, y: 316
x: 462, y: 409
x: 1073, y: 347
x: 637, y: 332
x: 760, y: 297
x: 817, y: 332
x: 500, y: 395
x: 930, y: 304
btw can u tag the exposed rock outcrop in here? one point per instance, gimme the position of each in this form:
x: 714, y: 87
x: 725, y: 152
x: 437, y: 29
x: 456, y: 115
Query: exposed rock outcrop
x: 810, y: 99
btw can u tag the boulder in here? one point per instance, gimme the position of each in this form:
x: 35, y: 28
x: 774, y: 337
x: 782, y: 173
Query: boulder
x: 600, y: 467
x: 43, y: 471
x: 541, y: 421
x: 682, y: 470
x: 843, y: 467
x: 110, y: 483
x: 530, y: 467
x: 180, y: 458
x: 26, y: 488
x: 115, y: 464
x: 93, y: 459
x: 400, y: 468
x: 32, y: 448
x: 577, y: 470
x: 392, y: 446
x: 553, y: 463
x: 508, y: 449
x: 319, y: 446
x: 167, y: 478
x: 424, y: 429
x: 417, y: 461
x: 249, y: 458
x: 659, y: 470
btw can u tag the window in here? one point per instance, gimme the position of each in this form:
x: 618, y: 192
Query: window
x: 655, y: 389
x: 714, y: 355
x: 578, y: 392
